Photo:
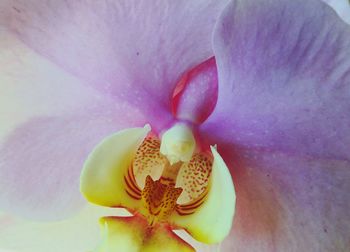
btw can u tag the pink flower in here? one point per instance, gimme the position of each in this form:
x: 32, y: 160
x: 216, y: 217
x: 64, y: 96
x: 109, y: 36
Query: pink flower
x: 91, y: 68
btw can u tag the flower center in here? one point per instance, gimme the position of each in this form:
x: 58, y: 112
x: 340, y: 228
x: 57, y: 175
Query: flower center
x: 165, y: 170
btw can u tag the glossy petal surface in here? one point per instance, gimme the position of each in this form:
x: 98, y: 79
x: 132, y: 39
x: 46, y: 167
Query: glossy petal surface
x: 284, y: 85
x: 102, y: 178
x: 131, y: 234
x: 212, y: 221
x: 136, y: 50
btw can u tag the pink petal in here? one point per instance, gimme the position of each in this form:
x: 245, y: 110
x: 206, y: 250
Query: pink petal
x: 282, y: 124
x: 31, y: 86
x: 288, y: 203
x: 284, y: 78
x: 50, y: 121
x: 42, y: 161
x: 136, y: 50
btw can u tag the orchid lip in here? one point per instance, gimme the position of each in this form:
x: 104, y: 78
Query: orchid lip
x: 129, y: 170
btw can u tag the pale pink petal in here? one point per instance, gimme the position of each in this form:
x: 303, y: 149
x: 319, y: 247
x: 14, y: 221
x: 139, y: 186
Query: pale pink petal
x: 132, y: 49
x: 284, y: 78
x: 288, y: 203
x: 31, y: 86
x: 282, y: 124
x: 42, y: 160
x: 50, y: 121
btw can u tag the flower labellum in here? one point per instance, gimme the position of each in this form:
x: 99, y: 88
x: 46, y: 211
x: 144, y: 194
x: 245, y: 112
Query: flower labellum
x: 165, y: 184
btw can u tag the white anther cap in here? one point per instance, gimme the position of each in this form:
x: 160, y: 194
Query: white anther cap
x: 178, y: 143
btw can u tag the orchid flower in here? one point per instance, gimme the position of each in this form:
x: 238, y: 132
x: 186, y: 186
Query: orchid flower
x: 74, y: 73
